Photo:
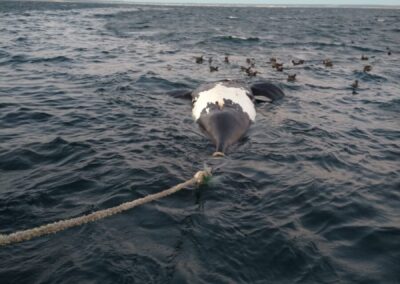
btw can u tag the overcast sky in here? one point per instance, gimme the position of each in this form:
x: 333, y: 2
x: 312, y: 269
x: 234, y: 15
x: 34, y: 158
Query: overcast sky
x: 278, y: 2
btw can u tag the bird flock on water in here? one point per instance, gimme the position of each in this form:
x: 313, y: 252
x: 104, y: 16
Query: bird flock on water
x: 250, y: 66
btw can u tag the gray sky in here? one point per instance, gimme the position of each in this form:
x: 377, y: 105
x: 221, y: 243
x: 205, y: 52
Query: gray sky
x: 278, y: 2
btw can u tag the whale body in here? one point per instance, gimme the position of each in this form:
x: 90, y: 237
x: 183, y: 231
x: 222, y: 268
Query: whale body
x: 226, y: 109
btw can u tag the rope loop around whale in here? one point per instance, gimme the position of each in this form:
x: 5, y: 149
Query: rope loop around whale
x: 55, y: 227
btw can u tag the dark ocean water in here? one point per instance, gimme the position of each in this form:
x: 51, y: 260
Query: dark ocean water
x: 311, y: 195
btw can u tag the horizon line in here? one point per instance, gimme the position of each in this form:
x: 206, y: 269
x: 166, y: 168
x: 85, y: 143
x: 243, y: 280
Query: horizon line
x: 172, y: 3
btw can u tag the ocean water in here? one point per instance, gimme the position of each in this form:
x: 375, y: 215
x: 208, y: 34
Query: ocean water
x: 310, y: 195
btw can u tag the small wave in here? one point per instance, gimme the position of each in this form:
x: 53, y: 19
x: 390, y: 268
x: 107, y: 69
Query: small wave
x: 6, y: 105
x: 21, y: 59
x: 56, y: 59
x: 15, y: 59
x: 316, y: 132
x: 80, y: 49
x: 328, y: 161
x: 17, y: 160
x: 21, y: 38
x: 24, y: 115
x: 315, y: 44
x: 366, y: 49
x: 303, y: 128
x: 313, y: 86
x: 4, y: 54
x: 169, y: 51
x: 105, y: 16
x: 235, y: 39
x: 140, y: 27
x: 56, y: 150
x: 124, y: 88
x: 358, y: 133
x: 117, y: 15
x: 368, y: 77
x: 389, y: 134
x: 158, y: 84
x: 393, y: 105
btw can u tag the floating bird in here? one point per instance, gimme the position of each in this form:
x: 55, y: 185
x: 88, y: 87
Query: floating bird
x: 279, y: 68
x: 327, y: 62
x: 354, y: 86
x: 291, y: 78
x: 251, y: 73
x: 363, y: 57
x: 226, y: 60
x: 199, y: 59
x: 272, y: 60
x: 389, y: 52
x: 251, y: 62
x: 213, y: 68
x: 298, y: 62
x: 367, y: 68
x: 277, y: 65
x: 245, y: 69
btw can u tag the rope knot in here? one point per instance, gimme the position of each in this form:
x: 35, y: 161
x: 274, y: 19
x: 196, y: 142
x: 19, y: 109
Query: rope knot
x: 218, y: 154
x: 200, y: 176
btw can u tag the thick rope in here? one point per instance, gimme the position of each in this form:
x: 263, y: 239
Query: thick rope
x: 55, y: 227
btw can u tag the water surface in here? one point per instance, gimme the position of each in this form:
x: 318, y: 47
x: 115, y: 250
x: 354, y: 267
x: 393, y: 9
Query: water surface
x: 311, y: 195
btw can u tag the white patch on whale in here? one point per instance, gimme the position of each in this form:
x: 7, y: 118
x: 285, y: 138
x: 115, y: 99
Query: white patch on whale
x: 218, y: 94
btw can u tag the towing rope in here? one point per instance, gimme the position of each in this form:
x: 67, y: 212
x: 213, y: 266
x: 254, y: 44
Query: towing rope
x: 61, y: 225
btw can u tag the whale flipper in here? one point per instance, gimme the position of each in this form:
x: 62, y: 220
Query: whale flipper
x: 266, y: 92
